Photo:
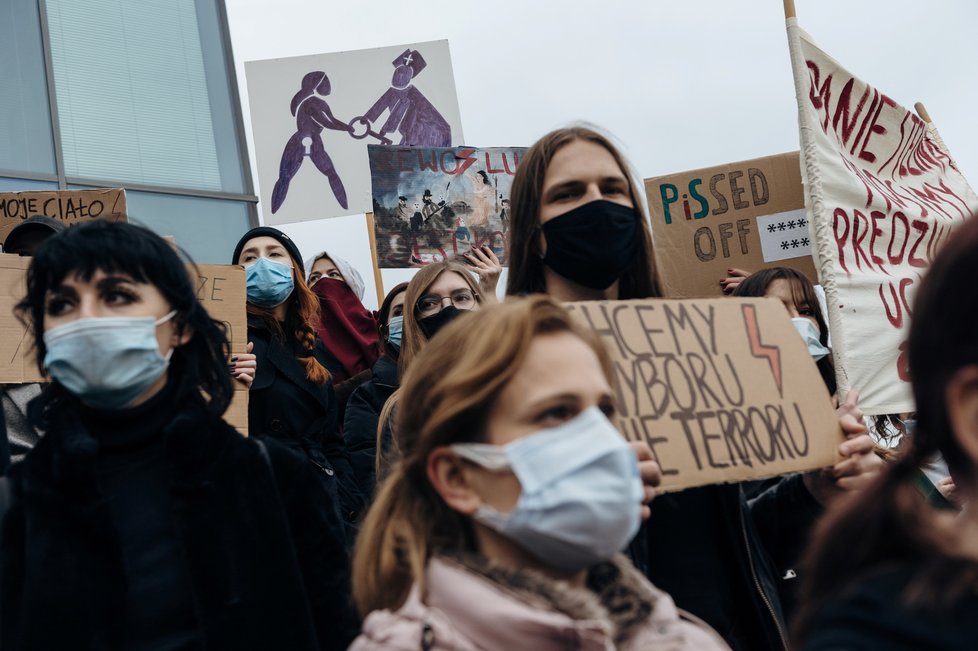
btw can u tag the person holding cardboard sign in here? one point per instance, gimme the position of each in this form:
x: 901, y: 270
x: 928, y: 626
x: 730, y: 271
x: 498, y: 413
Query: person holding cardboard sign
x: 888, y: 570
x: 579, y: 233
x: 142, y: 519
x: 501, y: 525
x: 292, y: 398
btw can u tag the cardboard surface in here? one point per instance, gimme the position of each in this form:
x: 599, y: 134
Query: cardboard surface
x: 16, y: 344
x: 455, y: 198
x: 221, y: 289
x: 69, y: 206
x: 722, y: 390
x: 747, y: 215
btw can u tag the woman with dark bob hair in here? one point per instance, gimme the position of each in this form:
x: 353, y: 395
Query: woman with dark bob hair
x: 579, y: 229
x: 142, y: 519
x: 887, y: 569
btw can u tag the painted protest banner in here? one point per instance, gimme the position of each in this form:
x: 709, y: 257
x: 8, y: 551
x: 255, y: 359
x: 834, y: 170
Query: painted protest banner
x: 433, y: 203
x: 748, y: 215
x: 221, y: 289
x: 69, y: 206
x: 313, y: 117
x: 883, y: 195
x: 722, y: 390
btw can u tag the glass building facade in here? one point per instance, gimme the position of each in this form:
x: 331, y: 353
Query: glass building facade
x: 140, y: 95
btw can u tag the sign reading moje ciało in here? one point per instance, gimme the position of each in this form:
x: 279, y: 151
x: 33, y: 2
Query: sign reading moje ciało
x: 722, y: 390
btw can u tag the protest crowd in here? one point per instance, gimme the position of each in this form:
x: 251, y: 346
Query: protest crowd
x: 449, y: 472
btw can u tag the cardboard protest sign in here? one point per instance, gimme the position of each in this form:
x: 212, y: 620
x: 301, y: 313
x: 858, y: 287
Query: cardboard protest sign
x: 69, y: 206
x: 883, y: 195
x: 722, y: 390
x: 313, y: 117
x: 221, y: 289
x: 748, y: 215
x: 17, y: 364
x: 433, y: 203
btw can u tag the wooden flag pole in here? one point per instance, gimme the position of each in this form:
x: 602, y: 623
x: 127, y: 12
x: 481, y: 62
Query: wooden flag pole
x: 378, y: 279
x: 789, y: 9
x: 922, y: 112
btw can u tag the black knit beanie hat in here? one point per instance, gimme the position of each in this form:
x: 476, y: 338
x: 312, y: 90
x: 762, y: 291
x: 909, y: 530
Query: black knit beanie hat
x: 283, y: 239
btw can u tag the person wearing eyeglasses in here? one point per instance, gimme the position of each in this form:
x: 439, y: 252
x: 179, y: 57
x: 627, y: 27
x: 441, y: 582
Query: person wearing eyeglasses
x: 437, y: 295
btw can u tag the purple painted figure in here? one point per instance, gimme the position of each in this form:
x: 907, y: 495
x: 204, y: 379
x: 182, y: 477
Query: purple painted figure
x: 312, y: 115
x: 411, y: 114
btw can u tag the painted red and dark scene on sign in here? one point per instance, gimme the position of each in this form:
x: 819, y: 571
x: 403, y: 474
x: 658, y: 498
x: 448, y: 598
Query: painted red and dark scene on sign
x: 433, y: 203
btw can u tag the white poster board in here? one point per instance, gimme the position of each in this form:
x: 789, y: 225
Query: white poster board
x: 313, y: 116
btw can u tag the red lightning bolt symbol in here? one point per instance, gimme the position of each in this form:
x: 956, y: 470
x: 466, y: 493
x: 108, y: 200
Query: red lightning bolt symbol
x: 760, y: 350
x: 465, y: 155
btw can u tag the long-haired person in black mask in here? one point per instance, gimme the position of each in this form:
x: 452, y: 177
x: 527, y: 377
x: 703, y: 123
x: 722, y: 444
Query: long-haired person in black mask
x: 292, y: 398
x: 141, y: 519
x: 580, y: 232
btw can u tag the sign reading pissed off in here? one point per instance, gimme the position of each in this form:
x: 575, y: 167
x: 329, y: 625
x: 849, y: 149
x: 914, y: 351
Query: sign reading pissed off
x: 748, y: 215
x: 722, y: 390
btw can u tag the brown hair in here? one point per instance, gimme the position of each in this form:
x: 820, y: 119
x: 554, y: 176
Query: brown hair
x: 413, y: 339
x: 525, y: 264
x: 300, y: 316
x: 891, y: 521
x: 447, y: 396
x: 802, y: 292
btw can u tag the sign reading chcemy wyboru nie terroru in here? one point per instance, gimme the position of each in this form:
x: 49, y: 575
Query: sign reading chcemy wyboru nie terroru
x: 722, y: 390
x: 433, y: 203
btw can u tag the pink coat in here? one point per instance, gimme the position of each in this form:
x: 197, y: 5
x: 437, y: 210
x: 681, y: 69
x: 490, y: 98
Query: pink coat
x: 472, y: 605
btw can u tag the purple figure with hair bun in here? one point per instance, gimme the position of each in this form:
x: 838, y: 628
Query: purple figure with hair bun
x: 312, y: 115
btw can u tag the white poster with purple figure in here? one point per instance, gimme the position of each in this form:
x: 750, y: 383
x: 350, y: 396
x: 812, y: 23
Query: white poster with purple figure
x: 313, y: 116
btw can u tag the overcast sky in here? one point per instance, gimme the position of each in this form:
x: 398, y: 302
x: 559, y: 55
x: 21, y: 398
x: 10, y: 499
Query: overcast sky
x: 683, y: 85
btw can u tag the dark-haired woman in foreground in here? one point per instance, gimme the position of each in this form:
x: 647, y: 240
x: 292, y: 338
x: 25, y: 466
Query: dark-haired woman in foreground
x: 888, y: 570
x: 142, y: 520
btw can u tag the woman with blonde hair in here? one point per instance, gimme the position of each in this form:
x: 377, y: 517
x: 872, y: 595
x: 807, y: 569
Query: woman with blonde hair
x: 501, y: 524
x: 580, y: 232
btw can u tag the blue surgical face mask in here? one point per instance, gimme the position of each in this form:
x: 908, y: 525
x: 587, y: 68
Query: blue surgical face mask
x: 809, y: 333
x: 394, y: 331
x: 106, y: 362
x: 269, y: 283
x: 581, y: 495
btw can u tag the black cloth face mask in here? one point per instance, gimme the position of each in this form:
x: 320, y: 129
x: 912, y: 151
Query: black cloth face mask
x: 593, y: 244
x: 430, y: 325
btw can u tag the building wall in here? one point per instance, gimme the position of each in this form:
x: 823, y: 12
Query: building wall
x: 140, y: 95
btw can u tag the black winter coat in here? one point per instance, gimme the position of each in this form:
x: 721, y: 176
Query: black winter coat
x: 871, y: 614
x: 283, y: 404
x: 263, y: 551
x: 727, y: 560
x: 362, y: 417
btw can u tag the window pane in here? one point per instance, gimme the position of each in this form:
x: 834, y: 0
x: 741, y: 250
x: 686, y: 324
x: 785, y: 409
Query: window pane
x: 207, y: 229
x: 26, y: 144
x: 25, y: 185
x: 132, y: 94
